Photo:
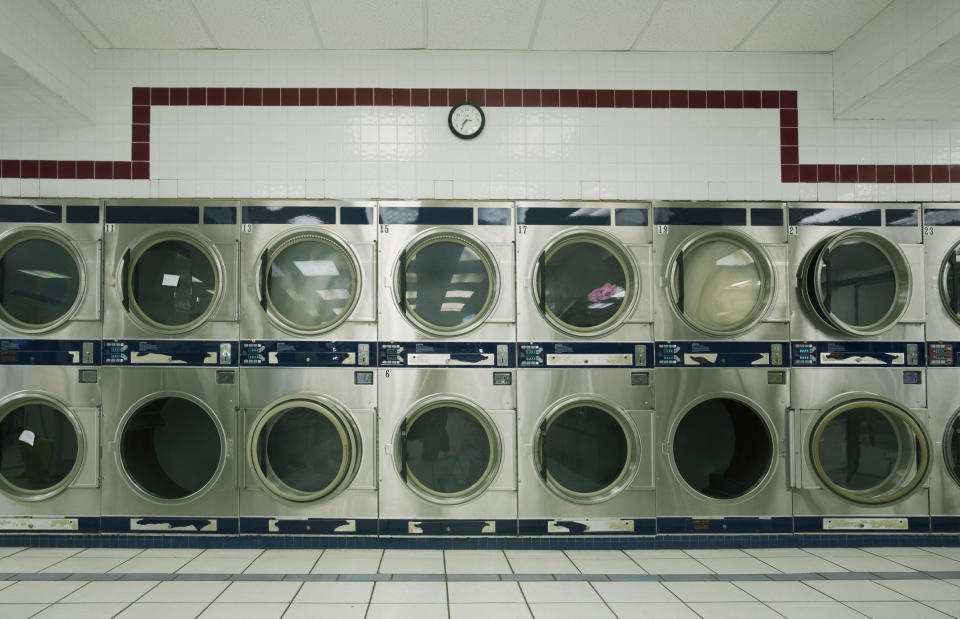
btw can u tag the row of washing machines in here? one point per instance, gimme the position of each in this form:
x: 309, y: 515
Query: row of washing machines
x: 491, y: 368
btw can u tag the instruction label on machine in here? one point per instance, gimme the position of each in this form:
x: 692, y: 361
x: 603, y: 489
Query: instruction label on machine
x: 580, y: 355
x: 723, y: 354
x: 858, y: 354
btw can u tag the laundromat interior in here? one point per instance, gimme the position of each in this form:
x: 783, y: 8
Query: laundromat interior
x: 546, y: 308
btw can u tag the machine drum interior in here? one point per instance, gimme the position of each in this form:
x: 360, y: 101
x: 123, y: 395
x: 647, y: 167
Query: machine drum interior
x: 950, y: 283
x: 722, y: 448
x: 869, y: 452
x: 584, y: 450
x: 39, y: 282
x: 39, y: 448
x: 584, y: 284
x: 171, y: 448
x: 173, y: 283
x: 951, y: 443
x: 450, y: 452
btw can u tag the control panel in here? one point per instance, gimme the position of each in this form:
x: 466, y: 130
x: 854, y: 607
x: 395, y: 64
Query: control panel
x: 307, y: 353
x: 447, y: 354
x: 858, y: 354
x: 723, y: 354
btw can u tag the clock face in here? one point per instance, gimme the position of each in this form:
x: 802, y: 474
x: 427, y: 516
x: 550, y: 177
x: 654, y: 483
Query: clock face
x: 466, y: 120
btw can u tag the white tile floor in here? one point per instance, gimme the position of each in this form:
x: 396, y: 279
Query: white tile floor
x: 801, y: 583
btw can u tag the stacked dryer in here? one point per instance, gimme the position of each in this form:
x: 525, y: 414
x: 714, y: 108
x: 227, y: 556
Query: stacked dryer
x: 308, y: 335
x: 722, y: 355
x: 446, y: 392
x: 585, y: 389
x: 170, y: 354
x: 942, y: 285
x: 50, y: 302
x: 860, y: 449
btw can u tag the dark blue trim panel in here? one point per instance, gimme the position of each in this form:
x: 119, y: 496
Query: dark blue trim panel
x: 699, y: 216
x: 307, y: 353
x: 167, y: 525
x: 427, y: 215
x: 945, y: 524
x: 441, y: 528
x: 561, y: 216
x: 859, y: 354
x: 537, y: 354
x: 219, y: 215
x: 180, y: 353
x: 766, y: 217
x: 834, y: 217
x: 728, y: 524
x: 303, y: 215
x: 941, y: 217
x: 31, y: 213
x: 492, y: 216
x: 454, y: 354
x: 723, y: 354
x: 308, y: 526
x: 905, y: 217
x: 49, y: 352
x: 631, y: 217
x: 153, y: 214
x: 83, y: 214
x: 814, y: 524
x: 356, y: 215
x: 565, y: 528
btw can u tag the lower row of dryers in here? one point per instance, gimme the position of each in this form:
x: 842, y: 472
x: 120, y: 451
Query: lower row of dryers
x: 478, y: 450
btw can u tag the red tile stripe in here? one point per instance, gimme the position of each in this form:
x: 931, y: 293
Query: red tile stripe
x: 791, y: 170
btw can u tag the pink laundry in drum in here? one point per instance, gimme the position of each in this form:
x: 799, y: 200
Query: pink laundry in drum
x: 604, y: 292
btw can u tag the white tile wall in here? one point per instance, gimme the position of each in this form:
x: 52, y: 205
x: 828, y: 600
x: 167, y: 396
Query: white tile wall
x: 531, y: 153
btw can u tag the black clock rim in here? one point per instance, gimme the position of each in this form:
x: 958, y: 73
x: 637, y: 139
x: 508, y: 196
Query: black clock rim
x: 483, y: 120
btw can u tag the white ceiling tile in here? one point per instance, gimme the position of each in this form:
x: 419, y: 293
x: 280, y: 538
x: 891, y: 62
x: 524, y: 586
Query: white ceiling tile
x: 597, y: 25
x: 370, y: 24
x: 147, y: 24
x: 81, y: 23
x: 702, y: 25
x: 491, y: 24
x: 812, y: 25
x: 259, y: 24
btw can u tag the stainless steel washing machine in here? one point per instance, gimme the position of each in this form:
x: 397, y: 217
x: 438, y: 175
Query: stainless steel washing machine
x: 586, y: 441
x: 308, y: 270
x: 446, y: 271
x: 723, y: 271
x: 858, y: 272
x: 721, y: 466
x: 447, y: 430
x: 49, y: 447
x: 943, y: 404
x: 860, y: 449
x: 170, y: 446
x: 170, y: 270
x: 584, y: 272
x: 309, y: 452
x: 50, y: 265
x: 941, y: 245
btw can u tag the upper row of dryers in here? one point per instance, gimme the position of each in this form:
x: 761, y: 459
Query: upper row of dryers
x: 487, y: 271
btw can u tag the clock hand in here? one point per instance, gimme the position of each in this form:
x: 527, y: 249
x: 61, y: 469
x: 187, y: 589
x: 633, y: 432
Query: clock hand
x: 464, y: 123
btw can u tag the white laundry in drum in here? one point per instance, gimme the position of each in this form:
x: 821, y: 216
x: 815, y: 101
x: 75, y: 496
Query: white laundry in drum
x: 721, y: 284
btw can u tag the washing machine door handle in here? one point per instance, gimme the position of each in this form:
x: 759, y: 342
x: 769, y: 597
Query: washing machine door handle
x: 541, y: 282
x: 541, y: 439
x: 262, y: 280
x: 403, y: 450
x: 402, y: 298
x: 124, y: 280
x: 680, y: 281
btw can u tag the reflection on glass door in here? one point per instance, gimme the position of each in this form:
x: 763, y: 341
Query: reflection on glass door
x: 173, y: 284
x: 39, y: 282
x: 39, y: 448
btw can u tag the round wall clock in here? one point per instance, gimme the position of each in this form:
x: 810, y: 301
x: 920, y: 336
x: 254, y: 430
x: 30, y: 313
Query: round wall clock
x: 466, y: 120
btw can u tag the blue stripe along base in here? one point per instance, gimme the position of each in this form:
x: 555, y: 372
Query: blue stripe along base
x: 166, y: 525
x: 566, y: 527
x: 440, y: 527
x: 730, y: 524
x: 308, y: 526
x: 945, y: 524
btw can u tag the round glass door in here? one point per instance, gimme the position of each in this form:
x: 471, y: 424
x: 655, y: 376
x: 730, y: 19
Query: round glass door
x: 722, y: 283
x: 40, y: 449
x: 173, y: 284
x: 584, y: 283
x: 950, y: 283
x: 304, y: 451
x: 447, y: 283
x: 869, y: 451
x: 722, y: 448
x: 448, y: 452
x: 585, y: 452
x: 40, y: 282
x: 857, y: 282
x: 951, y: 448
x: 171, y: 448
x: 310, y: 283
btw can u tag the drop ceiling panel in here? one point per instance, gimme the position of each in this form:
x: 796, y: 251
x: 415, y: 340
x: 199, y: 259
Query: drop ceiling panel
x: 491, y: 24
x: 147, y: 24
x: 812, y: 25
x: 600, y: 25
x: 259, y: 24
x: 370, y: 24
x: 81, y: 23
x: 702, y: 25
